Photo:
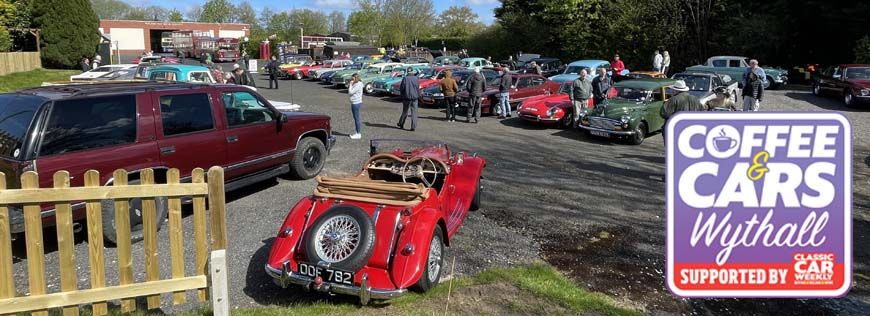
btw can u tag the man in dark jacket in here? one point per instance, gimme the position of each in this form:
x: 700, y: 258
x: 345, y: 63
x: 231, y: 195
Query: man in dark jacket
x: 601, y: 86
x: 272, y: 69
x: 410, y: 92
x: 504, y: 88
x: 476, y: 87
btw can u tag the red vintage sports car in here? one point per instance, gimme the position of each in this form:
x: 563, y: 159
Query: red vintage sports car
x: 553, y: 109
x: 524, y: 86
x: 383, y: 231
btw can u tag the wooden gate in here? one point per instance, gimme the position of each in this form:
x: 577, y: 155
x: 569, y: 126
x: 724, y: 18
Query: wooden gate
x: 30, y: 197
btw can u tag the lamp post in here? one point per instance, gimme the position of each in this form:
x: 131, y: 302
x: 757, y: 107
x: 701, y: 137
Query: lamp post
x: 301, y: 36
x: 245, y: 56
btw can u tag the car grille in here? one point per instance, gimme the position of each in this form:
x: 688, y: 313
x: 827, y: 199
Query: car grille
x: 603, y: 123
x: 378, y: 85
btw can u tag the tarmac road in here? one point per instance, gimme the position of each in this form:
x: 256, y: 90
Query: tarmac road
x: 549, y: 195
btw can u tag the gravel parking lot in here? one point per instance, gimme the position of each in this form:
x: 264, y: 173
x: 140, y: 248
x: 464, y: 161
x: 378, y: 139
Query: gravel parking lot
x: 591, y: 207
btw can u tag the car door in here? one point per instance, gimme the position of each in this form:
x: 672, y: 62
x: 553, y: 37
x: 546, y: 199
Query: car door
x: 830, y: 83
x: 524, y: 89
x: 255, y: 140
x: 188, y: 135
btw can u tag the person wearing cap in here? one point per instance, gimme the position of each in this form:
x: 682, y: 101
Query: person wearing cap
x: 476, y: 85
x: 680, y: 102
x: 97, y: 61
x: 722, y: 101
x: 242, y: 76
x: 409, y: 90
x: 355, y: 92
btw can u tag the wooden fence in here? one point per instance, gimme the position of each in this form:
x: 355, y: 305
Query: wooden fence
x: 19, y: 61
x: 70, y: 296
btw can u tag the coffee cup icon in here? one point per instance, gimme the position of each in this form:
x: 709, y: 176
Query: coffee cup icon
x: 724, y: 142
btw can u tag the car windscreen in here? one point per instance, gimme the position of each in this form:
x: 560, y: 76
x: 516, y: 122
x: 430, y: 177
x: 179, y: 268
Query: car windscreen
x: 16, y: 114
x: 695, y: 83
x: 573, y: 70
x: 862, y: 73
x: 632, y: 94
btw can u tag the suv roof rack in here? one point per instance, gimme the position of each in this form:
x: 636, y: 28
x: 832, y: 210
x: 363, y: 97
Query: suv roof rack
x: 72, y: 90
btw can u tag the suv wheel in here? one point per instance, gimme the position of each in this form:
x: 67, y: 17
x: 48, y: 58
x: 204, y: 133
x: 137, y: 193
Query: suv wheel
x: 309, y: 158
x: 137, y: 233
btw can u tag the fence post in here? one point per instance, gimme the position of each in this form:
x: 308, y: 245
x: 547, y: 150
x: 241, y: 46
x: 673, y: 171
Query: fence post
x: 176, y: 235
x: 65, y: 241
x: 199, y: 231
x: 123, y: 241
x: 149, y: 227
x: 7, y: 287
x: 217, y: 208
x: 94, y: 211
x: 33, y: 233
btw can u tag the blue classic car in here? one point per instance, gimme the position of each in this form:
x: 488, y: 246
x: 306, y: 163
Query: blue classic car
x: 181, y: 73
x: 383, y: 85
x: 573, y: 69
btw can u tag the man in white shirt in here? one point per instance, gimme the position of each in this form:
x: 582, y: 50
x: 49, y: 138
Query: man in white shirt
x: 657, y: 61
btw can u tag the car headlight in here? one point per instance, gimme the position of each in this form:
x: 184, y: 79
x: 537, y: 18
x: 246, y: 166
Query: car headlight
x: 625, y: 119
x: 438, y: 94
x: 552, y: 111
x: 865, y: 92
x: 520, y: 106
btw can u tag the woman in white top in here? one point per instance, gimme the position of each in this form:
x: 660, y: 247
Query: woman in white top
x: 355, y: 91
x: 666, y: 62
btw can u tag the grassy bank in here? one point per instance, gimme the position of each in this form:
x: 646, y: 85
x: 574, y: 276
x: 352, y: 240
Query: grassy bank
x: 33, y: 78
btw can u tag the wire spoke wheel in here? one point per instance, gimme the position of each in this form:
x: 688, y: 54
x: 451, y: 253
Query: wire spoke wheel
x: 434, y: 262
x: 337, y: 238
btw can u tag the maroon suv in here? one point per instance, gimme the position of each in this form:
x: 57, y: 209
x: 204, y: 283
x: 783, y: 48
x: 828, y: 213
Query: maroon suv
x: 134, y: 126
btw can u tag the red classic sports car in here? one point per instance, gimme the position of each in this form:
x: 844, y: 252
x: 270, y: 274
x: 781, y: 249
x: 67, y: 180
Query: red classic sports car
x: 524, y: 86
x: 300, y: 72
x: 383, y: 231
x: 850, y: 82
x: 550, y: 109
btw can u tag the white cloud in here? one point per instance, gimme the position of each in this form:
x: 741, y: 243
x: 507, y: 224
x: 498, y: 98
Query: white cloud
x: 480, y: 2
x: 334, y: 4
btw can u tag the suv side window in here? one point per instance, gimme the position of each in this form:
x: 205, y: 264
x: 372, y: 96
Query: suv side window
x: 162, y: 75
x: 721, y: 63
x: 89, y: 123
x: 244, y: 108
x: 185, y: 113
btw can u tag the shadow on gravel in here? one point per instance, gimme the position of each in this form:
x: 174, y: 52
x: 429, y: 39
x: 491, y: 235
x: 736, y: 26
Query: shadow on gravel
x: 254, y: 188
x: 827, y: 102
x: 49, y: 243
x: 382, y: 125
x: 523, y: 124
x: 867, y: 161
x: 259, y: 286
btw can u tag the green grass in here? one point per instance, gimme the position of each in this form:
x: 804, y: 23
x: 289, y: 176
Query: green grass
x: 34, y: 78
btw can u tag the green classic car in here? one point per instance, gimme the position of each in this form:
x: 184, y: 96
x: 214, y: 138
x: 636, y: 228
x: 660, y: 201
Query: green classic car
x: 368, y: 74
x: 633, y: 113
x: 735, y: 66
x: 357, y: 66
x: 382, y: 85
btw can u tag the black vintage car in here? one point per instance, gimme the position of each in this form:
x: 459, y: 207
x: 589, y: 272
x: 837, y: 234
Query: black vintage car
x: 549, y: 67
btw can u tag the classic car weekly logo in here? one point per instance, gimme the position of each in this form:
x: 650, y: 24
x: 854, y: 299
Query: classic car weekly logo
x: 759, y: 205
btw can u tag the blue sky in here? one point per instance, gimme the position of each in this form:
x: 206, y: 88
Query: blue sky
x: 483, y: 8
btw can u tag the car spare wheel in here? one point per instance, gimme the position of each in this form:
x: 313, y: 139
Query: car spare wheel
x: 343, y: 237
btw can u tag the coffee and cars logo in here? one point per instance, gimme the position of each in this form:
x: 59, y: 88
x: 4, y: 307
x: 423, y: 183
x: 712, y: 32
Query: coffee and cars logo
x: 759, y: 204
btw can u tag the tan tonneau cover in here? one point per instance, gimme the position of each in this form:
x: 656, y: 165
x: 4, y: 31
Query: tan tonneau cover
x: 371, y: 191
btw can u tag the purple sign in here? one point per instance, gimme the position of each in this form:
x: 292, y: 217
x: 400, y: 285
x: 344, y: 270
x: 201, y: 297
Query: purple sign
x: 759, y: 204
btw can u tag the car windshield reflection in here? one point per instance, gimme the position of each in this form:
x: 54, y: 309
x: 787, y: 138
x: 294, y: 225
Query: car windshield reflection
x: 632, y: 94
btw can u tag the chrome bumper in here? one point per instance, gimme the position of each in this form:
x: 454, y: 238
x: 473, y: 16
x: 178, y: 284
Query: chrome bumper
x: 620, y: 133
x: 538, y: 118
x: 285, y: 277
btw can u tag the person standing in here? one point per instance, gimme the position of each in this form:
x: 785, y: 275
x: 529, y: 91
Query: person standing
x: 579, y: 94
x: 504, y: 88
x: 86, y: 64
x: 753, y: 90
x: 272, y: 69
x: 617, y: 65
x: 355, y: 91
x: 601, y: 86
x: 449, y: 88
x: 680, y: 102
x: 657, y: 61
x: 476, y: 86
x: 97, y: 61
x: 753, y: 68
x: 666, y: 62
x: 409, y: 89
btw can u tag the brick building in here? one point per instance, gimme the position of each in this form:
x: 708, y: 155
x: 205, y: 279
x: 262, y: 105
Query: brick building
x: 134, y: 37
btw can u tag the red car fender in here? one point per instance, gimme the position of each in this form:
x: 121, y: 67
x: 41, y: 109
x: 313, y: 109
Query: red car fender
x: 284, y: 246
x: 408, y: 268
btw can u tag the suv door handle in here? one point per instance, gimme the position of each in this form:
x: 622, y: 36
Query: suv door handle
x: 168, y: 150
x: 232, y: 139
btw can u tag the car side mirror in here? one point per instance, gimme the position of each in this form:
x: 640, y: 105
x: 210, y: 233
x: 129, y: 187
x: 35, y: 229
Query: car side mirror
x: 283, y: 118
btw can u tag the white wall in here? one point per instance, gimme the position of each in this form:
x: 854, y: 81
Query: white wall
x: 129, y: 38
x: 232, y: 34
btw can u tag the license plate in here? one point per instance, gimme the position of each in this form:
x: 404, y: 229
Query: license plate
x: 328, y: 275
x: 600, y: 133
x: 427, y: 99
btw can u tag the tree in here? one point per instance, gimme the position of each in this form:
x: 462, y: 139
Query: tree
x: 217, y: 11
x: 194, y: 13
x: 150, y: 13
x: 314, y: 22
x: 458, y: 22
x: 175, y: 16
x: 7, y: 16
x: 337, y: 22
x: 366, y: 21
x: 69, y: 30
x: 280, y: 25
x: 111, y: 9
x: 408, y: 20
x: 862, y: 50
x: 245, y: 14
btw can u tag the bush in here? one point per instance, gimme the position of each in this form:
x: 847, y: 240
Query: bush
x: 862, y: 50
x: 69, y: 31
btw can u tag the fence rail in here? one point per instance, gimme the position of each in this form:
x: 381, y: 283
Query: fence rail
x: 18, y: 62
x: 31, y: 197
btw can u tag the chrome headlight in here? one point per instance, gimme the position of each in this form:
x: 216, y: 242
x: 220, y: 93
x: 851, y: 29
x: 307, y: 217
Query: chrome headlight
x: 438, y: 94
x: 625, y: 119
x: 552, y: 111
x: 865, y: 92
x: 520, y: 106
